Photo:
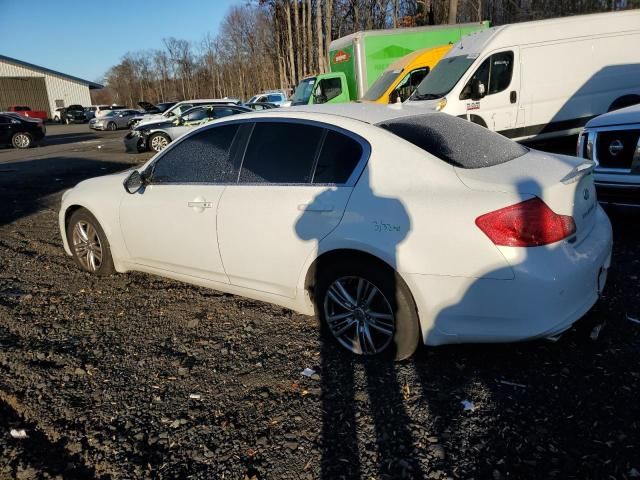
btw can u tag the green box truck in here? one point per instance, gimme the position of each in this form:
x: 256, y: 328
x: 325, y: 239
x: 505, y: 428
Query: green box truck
x: 357, y: 60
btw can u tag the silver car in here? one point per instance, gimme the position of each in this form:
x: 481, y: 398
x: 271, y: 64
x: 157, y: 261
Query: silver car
x: 113, y: 120
x: 156, y: 136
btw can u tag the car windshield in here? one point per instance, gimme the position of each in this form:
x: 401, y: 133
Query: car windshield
x: 303, y: 91
x: 164, y: 106
x: 177, y: 110
x: 253, y: 99
x: 381, y: 85
x: 442, y: 78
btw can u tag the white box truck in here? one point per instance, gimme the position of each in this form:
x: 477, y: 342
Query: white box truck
x: 539, y: 79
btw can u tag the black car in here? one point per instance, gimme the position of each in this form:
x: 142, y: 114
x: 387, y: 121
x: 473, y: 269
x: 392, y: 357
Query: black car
x: 20, y: 132
x: 157, y: 108
x: 73, y: 114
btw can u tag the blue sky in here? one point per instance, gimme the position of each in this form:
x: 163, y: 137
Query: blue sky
x: 85, y: 37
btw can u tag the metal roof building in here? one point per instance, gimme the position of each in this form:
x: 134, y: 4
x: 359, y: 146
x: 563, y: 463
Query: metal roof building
x: 40, y: 88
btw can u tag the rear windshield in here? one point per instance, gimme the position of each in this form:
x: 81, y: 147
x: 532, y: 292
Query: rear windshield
x: 456, y: 141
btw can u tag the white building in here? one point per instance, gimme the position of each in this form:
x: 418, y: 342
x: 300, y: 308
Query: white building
x: 40, y: 88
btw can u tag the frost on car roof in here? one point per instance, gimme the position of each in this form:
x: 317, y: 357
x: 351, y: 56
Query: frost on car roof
x: 456, y: 141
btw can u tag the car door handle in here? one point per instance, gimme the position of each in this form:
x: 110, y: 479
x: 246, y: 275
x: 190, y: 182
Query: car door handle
x: 200, y: 204
x: 311, y: 207
x: 513, y: 96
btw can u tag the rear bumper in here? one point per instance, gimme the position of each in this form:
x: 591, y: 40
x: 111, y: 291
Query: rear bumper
x: 621, y: 193
x: 554, y: 286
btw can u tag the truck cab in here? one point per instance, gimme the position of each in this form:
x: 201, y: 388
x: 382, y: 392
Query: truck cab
x: 324, y: 88
x: 402, y: 77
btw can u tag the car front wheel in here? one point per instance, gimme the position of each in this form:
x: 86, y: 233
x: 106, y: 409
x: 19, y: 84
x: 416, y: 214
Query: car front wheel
x: 158, y: 142
x: 89, y: 244
x: 21, y: 140
x: 368, y: 309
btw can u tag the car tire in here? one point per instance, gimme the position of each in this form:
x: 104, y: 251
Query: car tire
x: 158, y: 141
x: 67, y: 121
x: 21, y: 140
x: 111, y: 126
x: 396, y: 338
x: 88, y: 244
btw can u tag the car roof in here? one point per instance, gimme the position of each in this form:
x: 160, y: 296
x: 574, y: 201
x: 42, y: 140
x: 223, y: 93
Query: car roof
x: 363, y: 112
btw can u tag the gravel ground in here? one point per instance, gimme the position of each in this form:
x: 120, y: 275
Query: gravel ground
x: 133, y: 376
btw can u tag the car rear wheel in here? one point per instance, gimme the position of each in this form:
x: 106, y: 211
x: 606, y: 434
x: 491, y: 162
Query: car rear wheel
x: 368, y: 309
x: 21, y: 140
x: 67, y: 121
x: 89, y: 244
x: 112, y: 126
x: 158, y: 141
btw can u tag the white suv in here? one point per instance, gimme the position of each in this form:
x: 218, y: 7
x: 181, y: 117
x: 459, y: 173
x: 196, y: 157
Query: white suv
x: 612, y: 141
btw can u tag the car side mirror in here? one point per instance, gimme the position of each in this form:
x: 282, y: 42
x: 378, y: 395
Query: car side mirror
x: 134, y: 182
x: 478, y: 90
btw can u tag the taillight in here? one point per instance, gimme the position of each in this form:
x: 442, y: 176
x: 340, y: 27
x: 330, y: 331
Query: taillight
x: 527, y: 224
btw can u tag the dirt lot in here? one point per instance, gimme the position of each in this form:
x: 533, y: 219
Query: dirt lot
x: 133, y: 376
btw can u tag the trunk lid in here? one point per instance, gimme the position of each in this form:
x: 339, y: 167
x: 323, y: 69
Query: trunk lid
x: 564, y: 183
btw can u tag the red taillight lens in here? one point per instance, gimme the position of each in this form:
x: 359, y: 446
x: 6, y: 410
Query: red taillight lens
x: 527, y: 224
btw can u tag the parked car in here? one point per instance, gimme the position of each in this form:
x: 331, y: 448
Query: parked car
x: 612, y: 141
x: 26, y: 111
x: 102, y: 110
x: 71, y: 114
x: 113, y: 120
x: 157, y: 136
x: 257, y: 106
x: 276, y: 97
x: 90, y: 112
x: 538, y: 79
x: 179, y: 108
x: 311, y: 209
x: 157, y: 108
x: 57, y: 114
x: 20, y: 132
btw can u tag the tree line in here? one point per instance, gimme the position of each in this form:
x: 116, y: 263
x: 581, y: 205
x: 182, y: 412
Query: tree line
x: 272, y: 44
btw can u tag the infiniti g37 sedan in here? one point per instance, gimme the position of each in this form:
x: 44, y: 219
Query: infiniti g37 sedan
x: 394, y: 227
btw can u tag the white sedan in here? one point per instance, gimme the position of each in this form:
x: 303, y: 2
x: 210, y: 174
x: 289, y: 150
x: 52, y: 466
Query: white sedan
x: 394, y: 226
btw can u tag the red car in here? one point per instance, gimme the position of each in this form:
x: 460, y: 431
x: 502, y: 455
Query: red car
x: 25, y: 111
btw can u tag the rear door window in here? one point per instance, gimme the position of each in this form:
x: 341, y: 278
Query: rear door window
x: 339, y: 157
x: 206, y: 157
x: 281, y: 153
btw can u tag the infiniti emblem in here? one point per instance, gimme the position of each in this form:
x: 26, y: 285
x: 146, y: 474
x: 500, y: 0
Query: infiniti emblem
x: 586, y: 194
x: 615, y: 147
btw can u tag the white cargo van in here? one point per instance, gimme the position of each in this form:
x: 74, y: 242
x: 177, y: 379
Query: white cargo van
x: 539, y: 79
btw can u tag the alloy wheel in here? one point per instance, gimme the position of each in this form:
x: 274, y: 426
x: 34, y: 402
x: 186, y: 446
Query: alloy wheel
x: 87, y: 246
x: 21, y: 140
x: 359, y: 315
x: 158, y: 142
